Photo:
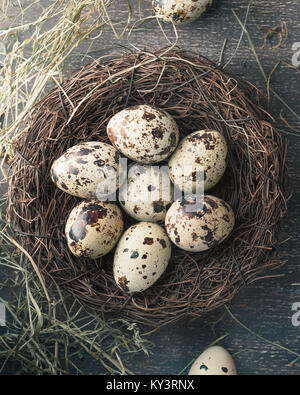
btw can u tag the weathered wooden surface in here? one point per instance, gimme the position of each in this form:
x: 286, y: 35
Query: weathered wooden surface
x: 266, y: 306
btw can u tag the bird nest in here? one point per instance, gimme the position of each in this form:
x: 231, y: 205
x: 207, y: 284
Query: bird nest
x: 199, y: 95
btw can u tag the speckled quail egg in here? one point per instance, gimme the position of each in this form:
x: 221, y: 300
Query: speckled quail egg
x: 214, y: 360
x: 93, y: 228
x: 180, y: 11
x: 195, y: 224
x: 148, y: 194
x: 143, y: 133
x: 141, y: 256
x: 199, y: 156
x: 88, y: 170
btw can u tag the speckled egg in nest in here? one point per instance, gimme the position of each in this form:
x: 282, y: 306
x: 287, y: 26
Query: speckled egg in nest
x: 253, y: 183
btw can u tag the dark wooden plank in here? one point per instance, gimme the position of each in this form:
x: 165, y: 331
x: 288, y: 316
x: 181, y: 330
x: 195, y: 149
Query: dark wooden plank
x: 266, y: 306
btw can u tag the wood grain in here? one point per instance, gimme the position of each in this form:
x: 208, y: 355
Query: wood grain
x: 265, y: 306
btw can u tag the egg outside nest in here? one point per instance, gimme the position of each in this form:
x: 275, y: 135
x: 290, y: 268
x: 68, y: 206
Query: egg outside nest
x: 216, y: 361
x: 180, y: 11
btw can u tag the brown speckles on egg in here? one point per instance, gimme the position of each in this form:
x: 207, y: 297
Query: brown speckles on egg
x: 73, y: 169
x: 85, y: 151
x: 151, y: 132
x: 117, y: 157
x: 179, y: 16
x: 136, y: 209
x: 202, y: 228
x: 177, y: 239
x: 84, y: 167
x: 200, y: 155
x: 165, y: 151
x: 226, y: 218
x: 173, y: 139
x: 149, y: 193
x: 97, y: 227
x: 99, y: 162
x: 158, y: 207
x: 148, y: 241
x: 157, y: 132
x: 111, y: 135
x: 64, y: 186
x: 162, y: 243
x: 92, y: 212
x: 148, y: 116
x: 75, y: 245
x: 150, y: 251
x: 209, y: 235
x: 188, y: 201
x: 213, y: 203
x: 122, y: 281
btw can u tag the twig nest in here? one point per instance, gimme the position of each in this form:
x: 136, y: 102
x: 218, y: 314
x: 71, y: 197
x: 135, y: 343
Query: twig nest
x: 148, y: 193
x: 253, y: 185
x: 195, y: 224
x: 199, y: 157
x: 93, y: 228
x: 143, y: 133
x: 180, y: 11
